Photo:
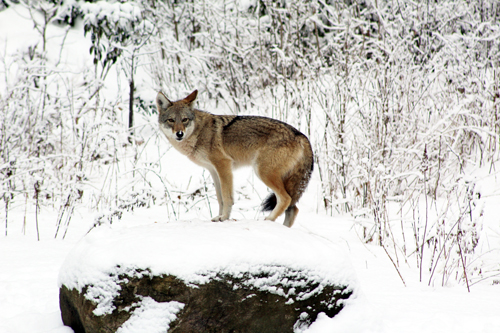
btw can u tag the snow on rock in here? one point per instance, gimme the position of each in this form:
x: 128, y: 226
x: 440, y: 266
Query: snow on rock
x: 190, y: 249
x: 151, y: 317
x: 245, y: 260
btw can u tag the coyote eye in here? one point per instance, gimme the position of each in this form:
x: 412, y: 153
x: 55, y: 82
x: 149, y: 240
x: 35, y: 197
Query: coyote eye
x: 185, y: 120
x: 171, y: 121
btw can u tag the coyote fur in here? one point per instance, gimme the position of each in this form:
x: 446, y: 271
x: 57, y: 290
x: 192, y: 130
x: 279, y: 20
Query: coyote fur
x: 280, y: 155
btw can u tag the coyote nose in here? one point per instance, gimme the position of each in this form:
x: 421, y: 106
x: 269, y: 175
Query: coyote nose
x: 179, y: 135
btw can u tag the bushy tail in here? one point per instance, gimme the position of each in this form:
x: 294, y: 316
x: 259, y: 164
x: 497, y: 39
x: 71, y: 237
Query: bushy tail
x: 269, y: 203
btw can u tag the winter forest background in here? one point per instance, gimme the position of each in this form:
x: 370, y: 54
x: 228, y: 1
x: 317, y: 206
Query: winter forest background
x: 400, y: 99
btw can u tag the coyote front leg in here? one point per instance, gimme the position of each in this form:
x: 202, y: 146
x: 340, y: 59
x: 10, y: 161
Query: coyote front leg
x: 218, y: 190
x: 225, y: 179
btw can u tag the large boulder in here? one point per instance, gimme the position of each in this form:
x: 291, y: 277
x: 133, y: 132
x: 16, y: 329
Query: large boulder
x: 247, y: 276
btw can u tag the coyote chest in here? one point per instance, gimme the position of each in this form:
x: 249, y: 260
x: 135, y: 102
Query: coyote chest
x: 280, y: 155
x: 195, y: 153
x: 185, y: 147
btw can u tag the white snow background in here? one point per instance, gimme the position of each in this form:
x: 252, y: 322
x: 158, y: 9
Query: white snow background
x: 30, y: 268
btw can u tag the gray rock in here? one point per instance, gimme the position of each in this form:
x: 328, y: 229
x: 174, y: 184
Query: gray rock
x: 278, y: 299
x: 196, y: 276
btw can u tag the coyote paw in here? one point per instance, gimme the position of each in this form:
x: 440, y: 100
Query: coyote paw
x: 220, y: 218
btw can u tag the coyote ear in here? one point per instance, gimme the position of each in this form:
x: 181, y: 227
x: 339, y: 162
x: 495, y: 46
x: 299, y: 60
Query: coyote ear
x: 162, y: 102
x: 190, y: 99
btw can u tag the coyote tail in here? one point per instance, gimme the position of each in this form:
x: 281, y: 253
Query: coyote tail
x: 269, y: 203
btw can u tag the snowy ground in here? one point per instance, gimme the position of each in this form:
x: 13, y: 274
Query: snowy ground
x: 29, y: 268
x: 29, y: 285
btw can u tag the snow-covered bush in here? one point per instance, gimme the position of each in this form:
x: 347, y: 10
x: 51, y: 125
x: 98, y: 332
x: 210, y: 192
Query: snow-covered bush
x: 400, y: 101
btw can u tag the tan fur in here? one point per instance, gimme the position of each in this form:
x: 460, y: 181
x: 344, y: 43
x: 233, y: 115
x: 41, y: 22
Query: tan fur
x: 280, y: 155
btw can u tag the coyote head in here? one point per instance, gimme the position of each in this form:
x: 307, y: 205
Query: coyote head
x: 176, y: 118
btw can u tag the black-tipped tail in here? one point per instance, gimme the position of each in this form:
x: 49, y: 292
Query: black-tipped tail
x: 269, y: 203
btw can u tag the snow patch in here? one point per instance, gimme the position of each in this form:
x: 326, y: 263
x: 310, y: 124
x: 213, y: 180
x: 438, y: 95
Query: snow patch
x: 151, y: 316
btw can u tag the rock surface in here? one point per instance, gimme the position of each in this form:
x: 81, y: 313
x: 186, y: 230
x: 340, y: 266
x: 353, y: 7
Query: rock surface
x: 193, y: 277
x: 223, y: 304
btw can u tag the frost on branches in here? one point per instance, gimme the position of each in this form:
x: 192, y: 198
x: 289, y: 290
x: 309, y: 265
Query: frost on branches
x: 400, y: 101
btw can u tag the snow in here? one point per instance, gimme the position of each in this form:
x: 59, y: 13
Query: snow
x: 164, y: 248
x: 195, y: 251
x: 121, y: 13
x: 151, y: 317
x: 31, y: 271
x: 29, y: 294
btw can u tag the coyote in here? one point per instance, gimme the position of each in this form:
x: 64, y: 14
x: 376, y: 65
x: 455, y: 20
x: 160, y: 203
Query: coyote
x: 280, y: 155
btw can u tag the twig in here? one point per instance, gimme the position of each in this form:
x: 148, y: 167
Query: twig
x: 396, y: 267
x: 463, y: 262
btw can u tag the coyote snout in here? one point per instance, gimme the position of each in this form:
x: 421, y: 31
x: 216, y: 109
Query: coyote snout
x: 179, y: 135
x: 280, y: 155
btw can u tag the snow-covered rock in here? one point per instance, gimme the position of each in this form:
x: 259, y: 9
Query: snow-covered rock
x: 244, y: 276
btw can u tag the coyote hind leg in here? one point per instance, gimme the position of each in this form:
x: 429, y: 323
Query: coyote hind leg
x: 283, y: 199
x: 290, y: 215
